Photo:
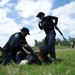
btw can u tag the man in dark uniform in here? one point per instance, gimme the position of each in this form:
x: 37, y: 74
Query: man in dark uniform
x: 48, y: 24
x: 13, y: 48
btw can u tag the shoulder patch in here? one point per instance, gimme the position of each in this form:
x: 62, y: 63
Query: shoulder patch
x: 16, y: 35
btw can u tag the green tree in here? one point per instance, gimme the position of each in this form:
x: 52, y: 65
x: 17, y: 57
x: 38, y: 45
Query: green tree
x: 36, y: 43
x: 58, y: 41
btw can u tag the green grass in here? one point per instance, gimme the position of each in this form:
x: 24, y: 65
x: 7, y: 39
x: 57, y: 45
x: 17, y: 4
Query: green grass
x: 66, y: 67
x: 61, y: 47
x: 36, y: 48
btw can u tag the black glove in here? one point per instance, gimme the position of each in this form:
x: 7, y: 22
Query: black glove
x: 34, y: 54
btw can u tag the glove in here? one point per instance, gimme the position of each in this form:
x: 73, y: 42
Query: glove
x: 34, y: 54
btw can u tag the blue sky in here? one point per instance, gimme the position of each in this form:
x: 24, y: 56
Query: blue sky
x: 15, y: 14
x: 58, y: 3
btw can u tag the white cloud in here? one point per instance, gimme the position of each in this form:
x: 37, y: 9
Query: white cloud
x: 35, y: 35
x: 7, y: 26
x: 30, y: 8
x: 33, y: 24
x: 65, y: 10
x: 3, y: 2
x: 3, y: 13
x: 35, y: 32
x: 66, y: 22
x: 27, y: 8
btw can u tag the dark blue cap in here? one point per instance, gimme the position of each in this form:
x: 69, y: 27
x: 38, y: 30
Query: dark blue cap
x: 26, y: 30
x: 40, y: 13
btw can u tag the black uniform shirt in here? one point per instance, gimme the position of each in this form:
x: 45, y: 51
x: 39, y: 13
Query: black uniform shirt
x: 47, y: 24
x: 15, y: 39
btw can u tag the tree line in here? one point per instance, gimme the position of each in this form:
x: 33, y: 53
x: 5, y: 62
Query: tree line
x: 69, y: 42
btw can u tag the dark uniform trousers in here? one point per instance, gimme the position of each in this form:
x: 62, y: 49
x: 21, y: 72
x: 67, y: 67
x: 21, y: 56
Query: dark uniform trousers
x: 19, y: 57
x: 14, y: 56
x: 49, y: 47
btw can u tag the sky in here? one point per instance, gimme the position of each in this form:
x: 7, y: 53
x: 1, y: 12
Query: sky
x: 15, y: 14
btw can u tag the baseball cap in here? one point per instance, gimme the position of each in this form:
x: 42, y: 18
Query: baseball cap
x: 39, y: 14
x: 26, y: 30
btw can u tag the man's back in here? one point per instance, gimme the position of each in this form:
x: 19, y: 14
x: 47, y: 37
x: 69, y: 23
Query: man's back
x: 14, y: 40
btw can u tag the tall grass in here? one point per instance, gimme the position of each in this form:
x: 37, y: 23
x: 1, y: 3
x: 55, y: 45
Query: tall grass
x: 66, y: 67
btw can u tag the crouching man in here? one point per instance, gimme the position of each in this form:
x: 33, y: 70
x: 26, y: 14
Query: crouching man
x: 14, y: 47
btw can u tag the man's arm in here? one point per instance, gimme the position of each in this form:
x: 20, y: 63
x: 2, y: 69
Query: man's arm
x: 39, y: 25
x: 28, y: 48
x: 55, y: 19
x: 55, y: 25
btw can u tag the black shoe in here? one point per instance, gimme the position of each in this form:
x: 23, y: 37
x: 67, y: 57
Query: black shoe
x: 47, y: 60
x: 1, y: 60
x: 52, y: 59
x: 7, y: 62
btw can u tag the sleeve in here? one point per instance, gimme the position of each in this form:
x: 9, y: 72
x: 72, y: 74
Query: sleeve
x: 14, y: 39
x: 40, y: 26
x: 30, y: 49
x: 54, y: 18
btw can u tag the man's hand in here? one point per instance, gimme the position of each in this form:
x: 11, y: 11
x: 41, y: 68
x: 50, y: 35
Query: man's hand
x: 39, y: 23
x: 34, y: 54
x: 40, y: 26
x: 28, y: 48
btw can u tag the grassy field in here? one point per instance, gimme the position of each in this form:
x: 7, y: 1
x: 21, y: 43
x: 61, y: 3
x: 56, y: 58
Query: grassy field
x: 66, y: 67
x: 57, y: 47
